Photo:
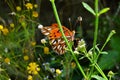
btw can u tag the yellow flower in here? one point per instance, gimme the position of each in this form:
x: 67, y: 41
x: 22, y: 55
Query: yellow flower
x: 35, y: 14
x: 33, y: 43
x: 24, y: 24
x: 46, y: 50
x: 30, y: 77
x: 58, y: 71
x: 1, y: 27
x: 26, y: 58
x: 73, y: 65
x: 0, y: 57
x: 7, y: 60
x: 33, y: 68
x: 29, y: 6
x: 25, y: 51
x: 12, y: 25
x: 18, y: 8
x: 111, y: 74
x: 35, y: 5
x: 22, y: 18
x: 5, y: 31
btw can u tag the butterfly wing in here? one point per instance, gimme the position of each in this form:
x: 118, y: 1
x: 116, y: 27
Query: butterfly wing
x: 56, y: 40
x: 58, y: 45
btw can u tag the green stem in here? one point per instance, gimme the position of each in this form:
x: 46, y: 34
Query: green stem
x: 107, y: 40
x: 95, y: 40
x: 100, y: 71
x: 96, y: 26
x: 61, y: 30
x: 95, y: 34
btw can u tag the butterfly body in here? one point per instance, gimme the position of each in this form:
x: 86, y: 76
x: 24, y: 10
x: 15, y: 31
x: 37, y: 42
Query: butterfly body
x: 55, y: 37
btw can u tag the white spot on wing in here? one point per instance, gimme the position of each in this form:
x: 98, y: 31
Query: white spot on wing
x: 68, y: 36
x: 61, y: 52
x: 40, y: 26
x: 49, y: 29
x: 64, y: 47
x: 43, y: 31
x: 58, y: 47
x: 54, y: 42
x: 59, y: 40
x: 46, y: 33
x: 54, y: 47
x: 62, y: 42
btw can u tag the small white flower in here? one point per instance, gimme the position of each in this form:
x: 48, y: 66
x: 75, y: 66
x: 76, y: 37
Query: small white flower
x: 46, y: 78
x: 81, y: 46
x: 40, y: 26
x: 38, y: 59
x: 81, y: 43
x: 0, y: 57
x: 43, y: 41
x: 8, y: 62
x: 52, y: 70
x: 12, y: 13
x: 89, y: 53
x: 28, y: 0
x: 69, y: 19
x: 80, y: 18
x: 46, y: 66
x: 6, y: 50
x: 76, y: 52
x: 52, y: 59
x: 54, y: 75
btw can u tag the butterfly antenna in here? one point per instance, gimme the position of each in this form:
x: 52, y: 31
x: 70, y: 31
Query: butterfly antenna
x: 79, y: 19
x: 70, y: 22
x: 77, y: 26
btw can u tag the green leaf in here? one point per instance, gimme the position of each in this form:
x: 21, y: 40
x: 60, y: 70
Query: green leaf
x: 113, y: 57
x: 103, y: 11
x: 3, y: 77
x: 96, y: 47
x: 104, y: 52
x: 110, y: 60
x: 87, y: 7
x: 115, y: 43
x: 97, y: 77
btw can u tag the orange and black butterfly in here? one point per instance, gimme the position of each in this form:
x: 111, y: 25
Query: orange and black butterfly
x: 55, y: 37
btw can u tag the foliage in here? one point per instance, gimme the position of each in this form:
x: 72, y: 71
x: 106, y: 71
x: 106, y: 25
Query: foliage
x: 22, y: 58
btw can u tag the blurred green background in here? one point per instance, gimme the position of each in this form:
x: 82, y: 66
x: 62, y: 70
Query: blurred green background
x: 69, y: 11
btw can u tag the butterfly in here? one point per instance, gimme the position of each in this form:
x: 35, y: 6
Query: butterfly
x: 55, y: 37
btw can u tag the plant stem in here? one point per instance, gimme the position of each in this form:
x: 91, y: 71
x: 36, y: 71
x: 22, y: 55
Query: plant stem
x: 97, y: 67
x: 96, y: 26
x: 107, y: 40
x: 100, y: 71
x: 95, y: 34
x: 95, y: 40
x: 61, y: 30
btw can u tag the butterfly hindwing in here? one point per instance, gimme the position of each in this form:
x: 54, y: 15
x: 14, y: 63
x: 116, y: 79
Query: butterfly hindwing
x: 58, y: 45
